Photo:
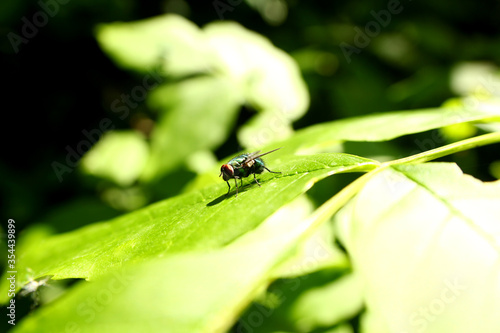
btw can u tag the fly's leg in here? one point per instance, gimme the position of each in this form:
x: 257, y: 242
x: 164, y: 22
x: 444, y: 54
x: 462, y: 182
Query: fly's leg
x: 267, y: 170
x: 256, y: 180
x: 229, y: 188
x: 270, y: 171
x: 236, y: 183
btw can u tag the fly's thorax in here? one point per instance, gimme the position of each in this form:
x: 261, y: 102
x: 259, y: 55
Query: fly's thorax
x: 238, y: 160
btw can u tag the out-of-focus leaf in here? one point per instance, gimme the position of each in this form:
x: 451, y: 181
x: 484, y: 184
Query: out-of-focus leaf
x: 269, y: 77
x: 478, y: 79
x: 263, y: 128
x: 426, y: 240
x: 195, y: 115
x: 259, y: 73
x: 327, y: 305
x: 170, y: 42
x: 317, y: 252
x: 458, y: 131
x: 308, y: 303
x: 119, y: 156
x: 312, y: 60
x: 381, y: 127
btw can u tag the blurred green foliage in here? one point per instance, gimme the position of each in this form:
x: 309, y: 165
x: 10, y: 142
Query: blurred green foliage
x: 181, y: 91
x: 407, y: 64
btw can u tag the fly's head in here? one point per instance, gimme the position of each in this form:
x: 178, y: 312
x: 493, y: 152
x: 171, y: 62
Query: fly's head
x: 227, y: 172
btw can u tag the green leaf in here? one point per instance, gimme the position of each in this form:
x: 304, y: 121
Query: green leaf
x: 119, y: 156
x: 80, y: 211
x: 199, y: 220
x: 426, y: 244
x: 382, y: 127
x: 257, y: 73
x: 181, y: 293
x: 194, y: 115
x: 263, y: 128
x: 270, y: 77
x: 193, y: 292
x: 326, y: 305
x: 306, y: 303
x: 316, y: 252
x: 187, y: 236
x: 170, y: 42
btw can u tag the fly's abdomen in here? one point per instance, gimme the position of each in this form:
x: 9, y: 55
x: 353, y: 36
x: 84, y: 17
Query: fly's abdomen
x: 258, y: 166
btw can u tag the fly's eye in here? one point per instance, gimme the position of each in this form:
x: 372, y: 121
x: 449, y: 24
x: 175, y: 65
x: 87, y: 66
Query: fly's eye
x: 227, y: 169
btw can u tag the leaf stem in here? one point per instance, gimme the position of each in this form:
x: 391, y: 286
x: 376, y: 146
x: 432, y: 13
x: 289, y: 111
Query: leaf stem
x: 331, y: 206
x: 448, y: 149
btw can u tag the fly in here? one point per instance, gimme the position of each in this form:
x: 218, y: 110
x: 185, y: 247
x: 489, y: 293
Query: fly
x: 243, y: 166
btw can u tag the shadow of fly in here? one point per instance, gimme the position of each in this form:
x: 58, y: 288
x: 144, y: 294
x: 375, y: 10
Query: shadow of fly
x: 243, y: 166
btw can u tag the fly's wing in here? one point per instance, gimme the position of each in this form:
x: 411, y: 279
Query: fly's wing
x: 251, y: 156
x: 254, y: 155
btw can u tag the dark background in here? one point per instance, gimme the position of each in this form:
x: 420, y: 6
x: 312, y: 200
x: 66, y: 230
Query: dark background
x: 60, y: 83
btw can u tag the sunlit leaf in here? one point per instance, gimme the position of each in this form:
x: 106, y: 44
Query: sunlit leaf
x: 479, y: 79
x: 426, y: 243
x: 266, y: 77
x: 264, y: 128
x: 162, y: 295
x: 119, y: 156
x: 170, y: 42
x: 271, y: 79
x: 241, y: 269
x: 199, y: 220
x: 384, y: 126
